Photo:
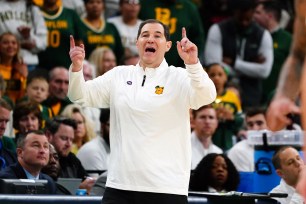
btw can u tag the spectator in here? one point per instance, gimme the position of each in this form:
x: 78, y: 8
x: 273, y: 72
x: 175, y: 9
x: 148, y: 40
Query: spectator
x: 215, y: 173
x: 289, y: 166
x: 61, y: 23
x: 98, y: 148
x: 246, y: 47
x: 7, y: 146
x: 84, y: 131
x: 60, y: 132
x: 242, y: 153
x: 12, y: 68
x: 27, y: 23
x: 33, y: 155
x: 76, y: 5
x: 128, y: 23
x: 205, y: 123
x: 129, y: 58
x: 228, y: 107
x: 58, y: 88
x: 268, y: 15
x: 173, y: 14
x: 98, y: 32
x: 103, y: 59
x: 88, y: 70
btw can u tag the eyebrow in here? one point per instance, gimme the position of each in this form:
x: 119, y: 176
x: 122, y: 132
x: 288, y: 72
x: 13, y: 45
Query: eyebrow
x: 146, y: 31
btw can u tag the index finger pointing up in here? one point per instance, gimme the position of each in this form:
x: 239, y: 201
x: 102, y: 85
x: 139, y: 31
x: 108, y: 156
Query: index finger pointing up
x: 72, y: 44
x: 184, y: 33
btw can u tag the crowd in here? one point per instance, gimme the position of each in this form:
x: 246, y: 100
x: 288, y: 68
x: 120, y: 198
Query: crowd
x: 241, y: 46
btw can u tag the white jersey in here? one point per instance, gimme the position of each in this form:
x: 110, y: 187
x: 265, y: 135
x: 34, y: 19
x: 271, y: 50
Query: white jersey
x: 149, y: 122
x: 14, y: 14
x: 127, y: 33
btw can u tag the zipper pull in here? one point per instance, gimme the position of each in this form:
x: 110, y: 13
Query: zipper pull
x: 143, y: 81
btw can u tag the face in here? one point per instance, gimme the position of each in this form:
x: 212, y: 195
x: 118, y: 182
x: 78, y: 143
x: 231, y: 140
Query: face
x: 38, y: 90
x: 218, y: 76
x: 219, y: 172
x: 62, y: 140
x: 87, y: 72
x: 105, y: 131
x: 58, y: 85
x: 50, y: 2
x: 109, y: 62
x: 152, y: 45
x: 8, y: 46
x: 261, y: 16
x: 130, y: 9
x: 53, y: 167
x: 291, y: 166
x: 256, y: 122
x: 28, y: 122
x: 205, y: 122
x: 80, y: 132
x: 4, y: 119
x: 94, y: 8
x: 244, y: 18
x: 35, y: 151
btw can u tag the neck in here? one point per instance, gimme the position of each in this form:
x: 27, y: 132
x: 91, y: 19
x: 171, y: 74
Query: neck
x: 273, y: 25
x: 129, y: 21
x: 50, y: 7
x: 7, y: 61
x: 220, y: 91
x: 205, y: 140
x: 34, y: 170
x: 78, y: 142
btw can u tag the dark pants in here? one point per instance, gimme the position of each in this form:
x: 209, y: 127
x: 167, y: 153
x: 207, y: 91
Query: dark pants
x: 115, y: 196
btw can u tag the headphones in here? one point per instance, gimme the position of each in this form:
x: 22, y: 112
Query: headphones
x: 263, y: 166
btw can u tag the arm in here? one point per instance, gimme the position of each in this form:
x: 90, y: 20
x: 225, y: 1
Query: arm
x: 213, y: 48
x: 255, y: 69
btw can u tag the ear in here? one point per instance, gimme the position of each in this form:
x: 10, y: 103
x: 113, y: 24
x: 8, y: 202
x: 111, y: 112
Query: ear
x: 19, y: 152
x: 49, y: 135
x: 279, y: 173
x: 168, y: 45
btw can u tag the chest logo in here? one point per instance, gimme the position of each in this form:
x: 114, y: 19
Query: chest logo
x: 159, y: 90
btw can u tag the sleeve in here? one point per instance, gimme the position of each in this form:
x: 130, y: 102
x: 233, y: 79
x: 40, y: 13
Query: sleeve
x: 203, y: 90
x: 93, y: 93
x: 39, y: 33
x: 259, y: 70
x: 213, y: 48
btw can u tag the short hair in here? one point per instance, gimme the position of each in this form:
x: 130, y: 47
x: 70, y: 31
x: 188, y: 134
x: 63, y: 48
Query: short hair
x: 195, y: 112
x: 53, y: 125
x: 275, y: 159
x: 242, y: 5
x: 51, y: 73
x: 5, y: 104
x: 25, y: 108
x: 166, y: 28
x: 40, y: 74
x: 104, y: 115
x: 86, y: 1
x: 272, y: 7
x: 21, y: 138
x: 252, y: 111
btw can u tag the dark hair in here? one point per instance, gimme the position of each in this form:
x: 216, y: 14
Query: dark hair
x: 201, y: 179
x: 195, y: 112
x: 272, y: 7
x: 86, y: 1
x: 252, y: 111
x: 166, y: 28
x: 53, y: 125
x: 5, y: 104
x: 104, y: 115
x: 21, y: 138
x: 275, y: 159
x: 37, y: 74
x: 25, y: 108
x: 242, y: 5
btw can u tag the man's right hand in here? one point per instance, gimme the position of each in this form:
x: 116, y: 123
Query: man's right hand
x: 77, y: 55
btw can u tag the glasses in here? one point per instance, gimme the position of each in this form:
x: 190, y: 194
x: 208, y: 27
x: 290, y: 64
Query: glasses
x: 131, y: 2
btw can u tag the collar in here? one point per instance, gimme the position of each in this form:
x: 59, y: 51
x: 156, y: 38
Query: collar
x: 30, y: 176
x: 150, y: 72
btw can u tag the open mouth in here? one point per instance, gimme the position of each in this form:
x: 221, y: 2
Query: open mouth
x: 150, y: 49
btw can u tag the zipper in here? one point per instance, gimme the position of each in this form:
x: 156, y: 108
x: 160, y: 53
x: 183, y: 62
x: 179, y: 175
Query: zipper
x: 143, y: 81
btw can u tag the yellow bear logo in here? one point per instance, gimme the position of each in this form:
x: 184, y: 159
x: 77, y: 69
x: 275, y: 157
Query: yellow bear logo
x: 159, y: 89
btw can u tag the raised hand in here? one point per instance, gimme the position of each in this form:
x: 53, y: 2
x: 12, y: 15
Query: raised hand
x: 187, y: 50
x: 77, y: 55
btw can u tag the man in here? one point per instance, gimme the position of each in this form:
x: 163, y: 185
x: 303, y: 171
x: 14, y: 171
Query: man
x: 246, y: 47
x: 205, y: 124
x: 60, y: 132
x: 289, y: 165
x: 7, y: 145
x: 242, y: 154
x: 32, y: 155
x: 149, y: 116
x: 98, y: 148
x: 58, y: 88
x: 268, y: 15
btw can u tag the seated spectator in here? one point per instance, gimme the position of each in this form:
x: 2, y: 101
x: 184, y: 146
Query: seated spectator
x: 228, y: 107
x: 242, y: 153
x: 60, y: 132
x: 32, y: 155
x: 98, y: 148
x: 53, y: 169
x: 7, y: 146
x: 215, y: 173
x: 12, y: 67
x: 26, y: 117
x: 84, y: 131
x: 289, y: 165
x: 205, y: 123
